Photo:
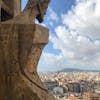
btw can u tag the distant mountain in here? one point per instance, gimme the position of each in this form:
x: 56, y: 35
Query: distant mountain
x: 77, y: 70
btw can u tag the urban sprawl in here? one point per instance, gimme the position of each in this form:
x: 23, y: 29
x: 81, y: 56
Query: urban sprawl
x: 73, y: 85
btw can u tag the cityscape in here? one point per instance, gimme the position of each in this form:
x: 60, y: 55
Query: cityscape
x: 73, y: 85
x: 70, y: 32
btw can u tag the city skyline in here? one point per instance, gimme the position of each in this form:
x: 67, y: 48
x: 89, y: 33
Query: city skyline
x: 73, y: 85
x: 74, y: 40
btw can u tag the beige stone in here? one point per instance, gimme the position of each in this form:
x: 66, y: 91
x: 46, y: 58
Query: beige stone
x: 10, y: 8
x: 21, y: 45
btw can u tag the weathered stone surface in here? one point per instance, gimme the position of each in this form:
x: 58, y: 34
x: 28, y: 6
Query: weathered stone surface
x: 10, y: 8
x: 21, y: 45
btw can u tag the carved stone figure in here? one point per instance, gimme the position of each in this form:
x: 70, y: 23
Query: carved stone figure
x: 21, y: 44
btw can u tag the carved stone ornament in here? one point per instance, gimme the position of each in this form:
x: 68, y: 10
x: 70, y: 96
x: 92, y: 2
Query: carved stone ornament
x: 21, y: 45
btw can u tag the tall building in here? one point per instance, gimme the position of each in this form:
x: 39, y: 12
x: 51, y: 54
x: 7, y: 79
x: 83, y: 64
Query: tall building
x: 77, y: 88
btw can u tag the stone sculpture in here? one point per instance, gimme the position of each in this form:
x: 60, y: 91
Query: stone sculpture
x: 21, y: 44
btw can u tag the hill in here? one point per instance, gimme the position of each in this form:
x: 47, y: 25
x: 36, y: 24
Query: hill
x: 77, y: 70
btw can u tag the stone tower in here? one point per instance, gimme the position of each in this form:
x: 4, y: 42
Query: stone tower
x: 21, y: 45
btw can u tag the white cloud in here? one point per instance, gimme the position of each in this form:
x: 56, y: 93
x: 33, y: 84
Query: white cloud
x: 77, y: 38
x: 76, y: 48
x: 84, y: 18
x: 51, y: 23
x: 52, y: 15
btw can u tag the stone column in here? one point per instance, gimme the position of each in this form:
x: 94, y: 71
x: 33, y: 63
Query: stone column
x: 17, y: 7
x: 20, y: 50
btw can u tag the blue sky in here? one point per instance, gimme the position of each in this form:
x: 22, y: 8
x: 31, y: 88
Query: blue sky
x: 74, y: 40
